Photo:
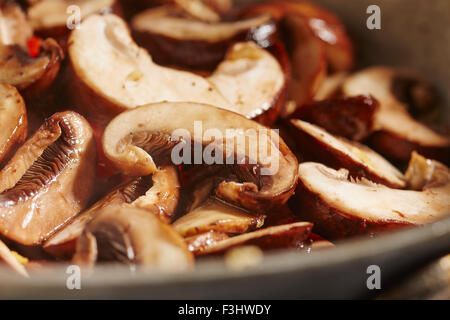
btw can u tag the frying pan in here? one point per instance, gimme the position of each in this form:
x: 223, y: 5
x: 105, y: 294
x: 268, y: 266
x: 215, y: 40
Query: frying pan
x: 414, y: 33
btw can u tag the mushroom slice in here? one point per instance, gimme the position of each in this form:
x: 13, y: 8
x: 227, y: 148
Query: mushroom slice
x: 249, y: 81
x: 325, y: 26
x: 318, y: 145
x: 352, y: 117
x: 339, y: 206
x: 49, y: 179
x: 13, y: 120
x: 133, y: 237
x: 397, y: 132
x: 217, y: 216
x: 8, y: 257
x: 50, y: 18
x: 199, y: 242
x: 157, y: 194
x: 264, y: 170
x: 31, y: 76
x: 174, y: 40
x: 277, y: 237
x: 14, y: 27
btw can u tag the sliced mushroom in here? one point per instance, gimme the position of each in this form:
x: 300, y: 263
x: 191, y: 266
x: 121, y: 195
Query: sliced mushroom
x: 352, y: 117
x: 249, y: 81
x: 264, y: 171
x: 326, y: 27
x: 397, y: 132
x: 50, y: 18
x: 339, y: 206
x: 331, y: 86
x: 14, y: 27
x: 8, y: 257
x: 31, y: 76
x: 217, y: 216
x: 157, y: 194
x: 13, y: 120
x: 278, y: 237
x: 201, y: 241
x: 133, y: 237
x: 175, y: 40
x: 49, y: 179
x: 318, y: 145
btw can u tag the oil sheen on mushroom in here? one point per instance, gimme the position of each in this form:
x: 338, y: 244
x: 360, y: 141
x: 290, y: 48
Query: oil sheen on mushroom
x: 49, y: 179
x: 264, y: 170
x: 133, y: 237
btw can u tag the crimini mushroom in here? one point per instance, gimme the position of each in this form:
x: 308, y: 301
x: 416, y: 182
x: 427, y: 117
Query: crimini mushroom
x: 325, y: 26
x: 349, y: 117
x: 157, y: 194
x: 315, y: 38
x: 52, y: 18
x: 49, y: 179
x: 218, y: 216
x: 30, y: 75
x: 258, y: 168
x: 340, y: 206
x: 284, y: 236
x: 13, y: 120
x: 397, y: 133
x: 14, y: 27
x: 173, y: 39
x: 122, y: 76
x: 318, y: 145
x: 134, y: 237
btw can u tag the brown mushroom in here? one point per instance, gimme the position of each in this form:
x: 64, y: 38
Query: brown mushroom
x: 201, y: 241
x: 122, y: 76
x: 133, y: 237
x: 318, y: 145
x: 214, y: 215
x: 31, y: 76
x: 340, y: 207
x: 397, y: 133
x: 49, y: 179
x: 14, y: 27
x: 173, y: 39
x: 13, y: 120
x: 264, y: 171
x: 349, y: 117
x: 277, y: 237
x: 157, y: 194
x: 50, y: 18
x: 326, y: 27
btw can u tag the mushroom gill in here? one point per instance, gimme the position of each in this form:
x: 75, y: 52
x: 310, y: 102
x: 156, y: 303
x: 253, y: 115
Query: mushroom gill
x: 49, y: 179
